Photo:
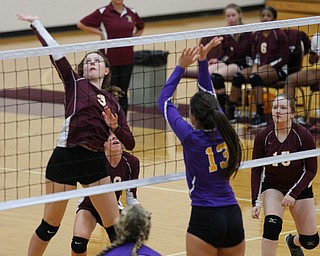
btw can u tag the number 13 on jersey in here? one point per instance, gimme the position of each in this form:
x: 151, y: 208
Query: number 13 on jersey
x: 222, y: 147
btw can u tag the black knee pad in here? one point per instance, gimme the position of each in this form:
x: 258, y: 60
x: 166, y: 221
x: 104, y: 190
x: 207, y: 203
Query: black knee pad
x: 255, y: 80
x: 79, y: 244
x: 217, y: 81
x: 272, y: 227
x: 309, y: 242
x: 45, y: 231
x: 238, y: 80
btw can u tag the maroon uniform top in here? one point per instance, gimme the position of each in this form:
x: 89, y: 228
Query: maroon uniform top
x: 271, y: 50
x: 216, y: 52
x: 299, y: 45
x: 84, y: 103
x: 115, y: 25
x: 290, y: 177
x: 127, y: 169
x: 237, y: 49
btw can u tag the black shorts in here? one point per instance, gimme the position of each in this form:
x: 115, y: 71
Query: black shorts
x: 218, y: 226
x: 92, y: 210
x: 77, y: 164
x: 306, y: 193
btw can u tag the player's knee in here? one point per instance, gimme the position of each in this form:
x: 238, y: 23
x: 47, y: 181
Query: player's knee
x: 238, y: 80
x: 79, y: 244
x: 309, y: 242
x: 272, y: 227
x: 217, y: 81
x: 255, y: 80
x: 45, y: 231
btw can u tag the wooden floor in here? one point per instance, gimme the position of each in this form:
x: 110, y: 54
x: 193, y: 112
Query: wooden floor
x: 168, y: 202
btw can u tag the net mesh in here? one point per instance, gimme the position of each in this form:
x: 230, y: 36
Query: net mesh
x: 31, y: 109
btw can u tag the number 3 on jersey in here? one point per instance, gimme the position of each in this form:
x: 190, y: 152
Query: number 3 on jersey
x: 222, y: 147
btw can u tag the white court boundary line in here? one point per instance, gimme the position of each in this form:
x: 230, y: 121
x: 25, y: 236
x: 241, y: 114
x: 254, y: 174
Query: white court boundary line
x: 144, y: 182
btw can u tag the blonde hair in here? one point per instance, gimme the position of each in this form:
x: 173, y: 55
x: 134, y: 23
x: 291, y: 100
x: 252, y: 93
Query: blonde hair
x: 133, y: 226
x: 237, y: 8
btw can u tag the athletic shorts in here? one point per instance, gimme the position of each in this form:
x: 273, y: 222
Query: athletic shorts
x: 218, y: 226
x: 306, y: 193
x: 77, y: 164
x: 87, y: 205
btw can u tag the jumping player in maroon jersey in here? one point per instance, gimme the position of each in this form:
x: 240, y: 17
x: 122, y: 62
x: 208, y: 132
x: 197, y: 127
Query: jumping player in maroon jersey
x: 269, y: 50
x: 212, y: 155
x: 122, y: 167
x: 116, y: 21
x: 90, y: 115
x: 285, y: 184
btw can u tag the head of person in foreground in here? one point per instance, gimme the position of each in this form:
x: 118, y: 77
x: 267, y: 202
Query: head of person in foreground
x: 133, y: 226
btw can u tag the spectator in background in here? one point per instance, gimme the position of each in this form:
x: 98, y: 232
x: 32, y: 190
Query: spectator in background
x: 235, y: 55
x: 269, y: 50
x: 308, y: 76
x: 116, y: 21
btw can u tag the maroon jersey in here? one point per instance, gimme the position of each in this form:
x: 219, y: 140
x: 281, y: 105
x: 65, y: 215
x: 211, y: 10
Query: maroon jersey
x: 237, y: 49
x: 115, y: 25
x: 216, y: 52
x: 299, y: 45
x: 272, y: 49
x: 84, y: 103
x: 290, y: 177
x: 127, y: 169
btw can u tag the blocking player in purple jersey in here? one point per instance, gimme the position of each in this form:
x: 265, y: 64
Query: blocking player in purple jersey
x: 90, y: 115
x: 110, y: 22
x: 133, y: 228
x: 212, y: 154
x: 269, y: 50
x: 236, y: 55
x: 287, y: 184
x: 122, y: 167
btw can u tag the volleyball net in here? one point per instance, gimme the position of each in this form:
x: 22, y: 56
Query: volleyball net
x: 32, y: 111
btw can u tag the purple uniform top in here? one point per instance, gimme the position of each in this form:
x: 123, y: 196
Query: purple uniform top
x: 203, y: 151
x: 126, y: 249
x: 115, y: 25
x: 127, y: 169
x: 290, y: 177
x: 84, y: 103
x: 272, y: 49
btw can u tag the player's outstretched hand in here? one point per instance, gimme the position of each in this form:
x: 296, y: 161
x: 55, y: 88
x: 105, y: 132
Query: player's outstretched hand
x: 188, y: 56
x: 27, y: 17
x: 204, y: 50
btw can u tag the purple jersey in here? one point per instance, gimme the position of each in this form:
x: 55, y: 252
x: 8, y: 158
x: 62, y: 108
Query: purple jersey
x: 126, y: 249
x: 127, y: 169
x: 84, y: 103
x: 272, y: 49
x: 203, y: 150
x: 115, y: 25
x: 290, y: 177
